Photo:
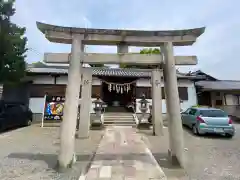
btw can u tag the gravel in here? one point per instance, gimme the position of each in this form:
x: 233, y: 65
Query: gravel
x: 207, y: 157
x: 30, y: 153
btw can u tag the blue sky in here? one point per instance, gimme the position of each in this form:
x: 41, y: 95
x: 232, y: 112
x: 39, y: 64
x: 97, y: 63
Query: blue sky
x: 217, y: 49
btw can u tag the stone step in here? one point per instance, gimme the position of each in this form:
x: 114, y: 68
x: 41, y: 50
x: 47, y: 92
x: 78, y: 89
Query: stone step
x: 120, y: 123
x: 118, y: 114
x: 113, y: 120
x: 117, y: 118
x: 121, y: 115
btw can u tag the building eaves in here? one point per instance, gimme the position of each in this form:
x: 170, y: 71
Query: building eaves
x: 219, y: 85
x: 117, y: 72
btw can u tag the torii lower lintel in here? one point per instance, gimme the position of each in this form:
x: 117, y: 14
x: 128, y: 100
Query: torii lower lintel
x: 127, y: 58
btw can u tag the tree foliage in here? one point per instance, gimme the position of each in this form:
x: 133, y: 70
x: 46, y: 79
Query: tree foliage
x: 150, y: 51
x: 143, y: 51
x: 13, y: 45
x: 38, y: 64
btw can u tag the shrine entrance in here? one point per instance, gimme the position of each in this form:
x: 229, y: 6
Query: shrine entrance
x: 119, y: 94
x: 80, y: 37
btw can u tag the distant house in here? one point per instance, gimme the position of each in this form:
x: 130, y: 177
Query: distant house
x: 201, y: 73
x: 224, y: 94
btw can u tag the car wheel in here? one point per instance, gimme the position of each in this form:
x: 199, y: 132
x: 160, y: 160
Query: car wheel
x: 195, y: 130
x: 229, y: 135
x: 1, y: 127
x: 29, y: 122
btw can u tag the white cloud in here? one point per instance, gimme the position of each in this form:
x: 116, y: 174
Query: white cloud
x: 217, y: 49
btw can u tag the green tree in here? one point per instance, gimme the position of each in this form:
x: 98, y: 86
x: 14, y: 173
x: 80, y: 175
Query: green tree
x: 150, y: 51
x: 143, y: 51
x: 38, y: 64
x: 12, y: 47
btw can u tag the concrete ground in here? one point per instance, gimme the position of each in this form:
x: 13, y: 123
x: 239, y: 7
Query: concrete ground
x: 122, y: 155
x: 207, y: 157
x: 30, y: 153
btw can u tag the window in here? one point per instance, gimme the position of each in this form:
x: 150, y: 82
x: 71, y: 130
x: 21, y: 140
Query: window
x: 219, y: 102
x: 163, y: 93
x: 143, y: 90
x: 183, y: 93
x: 147, y: 91
x: 96, y: 91
x: 213, y: 113
x: 192, y: 111
x: 187, y: 111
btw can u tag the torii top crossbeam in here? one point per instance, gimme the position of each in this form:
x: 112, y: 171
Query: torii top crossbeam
x: 61, y: 34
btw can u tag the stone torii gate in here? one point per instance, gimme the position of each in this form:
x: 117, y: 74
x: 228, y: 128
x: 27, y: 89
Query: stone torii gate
x: 78, y: 37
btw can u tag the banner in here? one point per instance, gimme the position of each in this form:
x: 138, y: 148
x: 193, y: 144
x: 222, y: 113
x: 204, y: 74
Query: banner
x: 54, y: 107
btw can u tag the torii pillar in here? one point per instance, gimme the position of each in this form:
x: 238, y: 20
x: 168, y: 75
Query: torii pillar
x: 157, y: 102
x: 122, y: 48
x: 175, y: 151
x: 66, y: 155
x: 86, y: 101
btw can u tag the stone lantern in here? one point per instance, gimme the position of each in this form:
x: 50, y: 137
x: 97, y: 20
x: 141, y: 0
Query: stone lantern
x: 143, y: 108
x: 99, y: 106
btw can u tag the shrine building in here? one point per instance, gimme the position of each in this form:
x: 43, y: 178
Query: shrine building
x: 116, y: 87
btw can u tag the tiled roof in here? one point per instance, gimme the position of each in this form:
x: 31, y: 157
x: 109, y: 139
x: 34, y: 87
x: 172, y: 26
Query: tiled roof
x: 99, y: 71
x: 219, y: 85
x: 120, y: 72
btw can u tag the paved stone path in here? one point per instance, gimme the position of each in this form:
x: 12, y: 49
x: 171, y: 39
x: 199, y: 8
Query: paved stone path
x: 122, y: 155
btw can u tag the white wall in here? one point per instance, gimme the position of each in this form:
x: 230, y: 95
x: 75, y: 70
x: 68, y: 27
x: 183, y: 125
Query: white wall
x: 63, y: 80
x: 143, y: 83
x: 43, y: 79
x: 192, y: 96
x: 231, y: 99
x: 46, y: 79
x: 36, y: 104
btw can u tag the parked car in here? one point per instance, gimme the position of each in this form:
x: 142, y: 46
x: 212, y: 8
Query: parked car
x: 204, y: 120
x: 14, y: 115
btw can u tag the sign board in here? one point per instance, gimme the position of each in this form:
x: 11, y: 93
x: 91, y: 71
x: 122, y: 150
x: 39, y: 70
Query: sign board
x: 54, y: 107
